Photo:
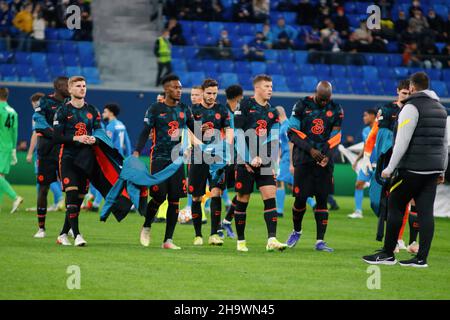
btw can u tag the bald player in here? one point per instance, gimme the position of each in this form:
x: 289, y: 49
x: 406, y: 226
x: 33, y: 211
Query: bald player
x: 314, y: 130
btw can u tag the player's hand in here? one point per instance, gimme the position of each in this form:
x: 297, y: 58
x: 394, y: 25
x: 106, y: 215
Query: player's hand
x: 317, y: 155
x: 91, y: 140
x: 324, y: 162
x: 291, y: 169
x: 256, y: 162
x: 441, y: 179
x: 29, y: 157
x: 366, y: 164
x: 84, y: 139
x: 249, y: 169
x: 386, y: 173
x: 136, y: 154
x: 14, y: 157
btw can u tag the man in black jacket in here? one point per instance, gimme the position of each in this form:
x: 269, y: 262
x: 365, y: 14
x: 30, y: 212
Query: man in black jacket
x: 420, y: 157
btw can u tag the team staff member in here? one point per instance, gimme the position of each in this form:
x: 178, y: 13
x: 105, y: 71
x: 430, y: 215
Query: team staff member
x: 421, y: 156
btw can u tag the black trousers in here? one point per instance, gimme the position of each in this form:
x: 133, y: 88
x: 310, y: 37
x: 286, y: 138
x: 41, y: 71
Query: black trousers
x: 167, y: 67
x: 421, y: 188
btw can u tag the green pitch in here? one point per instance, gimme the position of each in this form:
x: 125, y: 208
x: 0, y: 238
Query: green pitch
x: 115, y: 266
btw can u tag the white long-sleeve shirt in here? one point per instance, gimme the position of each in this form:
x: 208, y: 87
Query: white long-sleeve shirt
x: 407, y: 122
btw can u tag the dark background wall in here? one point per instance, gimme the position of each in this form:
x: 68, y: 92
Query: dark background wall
x: 135, y: 103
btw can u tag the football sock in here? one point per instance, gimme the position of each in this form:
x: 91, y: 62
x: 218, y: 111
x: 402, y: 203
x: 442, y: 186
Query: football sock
x: 230, y: 214
x: 152, y: 209
x: 359, y: 196
x: 281, y: 195
x: 271, y: 217
x: 413, y: 225
x: 171, y: 219
x: 197, y: 217
x: 216, y: 209
x: 321, y: 216
x: 240, y: 216
x: 5, y: 187
x: 298, y: 212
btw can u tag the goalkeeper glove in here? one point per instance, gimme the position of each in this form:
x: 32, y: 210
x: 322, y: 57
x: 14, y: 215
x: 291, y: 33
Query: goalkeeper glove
x: 14, y: 157
x: 366, y: 164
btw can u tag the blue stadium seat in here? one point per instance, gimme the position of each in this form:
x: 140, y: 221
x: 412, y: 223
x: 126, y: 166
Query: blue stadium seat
x: 338, y: 71
x: 191, y: 41
x: 28, y: 79
x: 290, y: 68
x: 179, y: 65
x: 390, y: 87
x: 2, y: 44
x: 205, y: 41
x: 215, y: 28
x: 178, y: 52
x: 186, y: 25
x: 290, y: 17
x: 243, y: 67
x: 54, y: 46
x: 369, y: 57
x: 355, y: 72
x: 245, y: 79
x: 381, y: 60
x: 22, y: 58
x: 258, y: 67
x: 39, y: 60
x: 301, y: 57
x: 90, y: 73
x: 71, y: 60
x: 51, y: 34
x: 280, y: 83
x: 190, y: 52
x: 211, y: 65
x: 350, y: 7
x: 85, y: 47
x: 195, y: 65
x: 434, y: 74
x: 227, y: 79
x: 286, y: 56
x: 87, y: 60
x: 226, y: 67
x: 65, y: 34
x: 24, y: 70
x: 396, y: 60
x: 294, y: 83
x: 57, y: 71
x: 370, y: 73
x: 70, y: 47
x: 197, y: 77
x: 184, y: 78
x: 238, y: 43
x: 441, y: 10
x: 322, y: 71
x: 271, y: 55
x: 200, y: 27
x: 43, y: 76
x: 440, y: 88
x: 392, y: 46
x: 10, y: 78
x: 359, y: 86
x: 401, y: 72
x: 386, y: 73
x: 6, y: 57
x: 446, y: 75
x: 8, y: 70
x: 309, y: 83
x: 73, y: 71
x: 307, y: 69
x: 376, y: 88
x: 274, y: 68
x: 341, y: 86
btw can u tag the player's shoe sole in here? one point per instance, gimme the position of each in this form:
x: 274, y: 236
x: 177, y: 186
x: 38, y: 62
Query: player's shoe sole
x: 16, y: 204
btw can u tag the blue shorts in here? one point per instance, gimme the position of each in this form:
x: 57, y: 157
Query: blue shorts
x: 284, y: 174
x: 363, y: 177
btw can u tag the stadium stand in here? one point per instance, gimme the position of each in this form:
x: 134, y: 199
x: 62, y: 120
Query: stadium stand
x: 308, y: 40
x: 42, y: 53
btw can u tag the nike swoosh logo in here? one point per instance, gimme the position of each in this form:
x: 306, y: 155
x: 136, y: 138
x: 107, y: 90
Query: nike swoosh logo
x: 163, y: 114
x: 69, y: 117
x: 252, y: 111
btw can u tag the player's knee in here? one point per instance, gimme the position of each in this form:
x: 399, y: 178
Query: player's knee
x: 197, y: 199
x: 243, y: 197
x: 69, y: 189
x: 270, y: 204
x: 359, y: 185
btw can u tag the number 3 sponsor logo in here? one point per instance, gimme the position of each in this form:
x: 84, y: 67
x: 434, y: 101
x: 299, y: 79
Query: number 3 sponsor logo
x: 318, y: 127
